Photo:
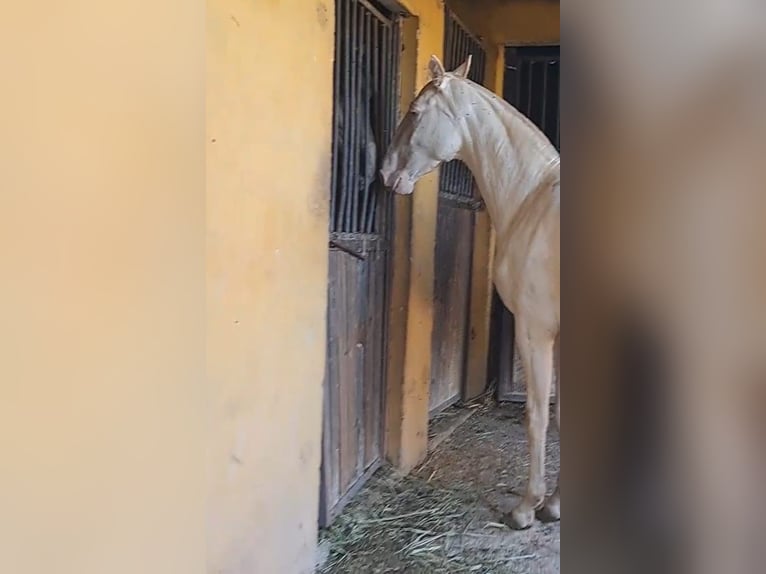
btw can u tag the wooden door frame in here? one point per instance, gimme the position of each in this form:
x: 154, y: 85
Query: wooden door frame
x: 504, y: 364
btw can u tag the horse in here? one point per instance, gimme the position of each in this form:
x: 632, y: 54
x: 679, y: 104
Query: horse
x: 517, y: 171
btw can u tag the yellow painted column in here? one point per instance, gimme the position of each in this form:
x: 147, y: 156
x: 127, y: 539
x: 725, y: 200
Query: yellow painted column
x: 408, y: 437
x: 483, y: 261
x: 400, y: 264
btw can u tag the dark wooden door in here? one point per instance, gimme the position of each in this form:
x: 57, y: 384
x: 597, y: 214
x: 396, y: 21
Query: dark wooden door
x: 531, y: 84
x: 458, y: 200
x: 367, y: 48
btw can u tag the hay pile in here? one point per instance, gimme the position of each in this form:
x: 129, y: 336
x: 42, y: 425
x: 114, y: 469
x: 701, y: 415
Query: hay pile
x: 408, y: 525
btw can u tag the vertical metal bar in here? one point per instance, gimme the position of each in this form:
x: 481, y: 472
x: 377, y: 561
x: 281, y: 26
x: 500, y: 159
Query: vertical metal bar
x: 519, y: 74
x: 386, y: 85
x: 354, y: 99
x: 449, y: 52
x: 397, y: 96
x: 453, y: 175
x: 367, y: 125
x: 444, y: 170
x: 447, y: 37
x: 457, y: 49
x: 545, y: 67
x: 479, y: 66
x: 531, y: 66
x: 558, y: 109
x: 388, y: 118
x: 359, y: 69
x: 384, y: 105
x: 394, y: 55
x: 374, y: 120
x: 346, y: 104
x: 466, y: 176
x: 334, y: 185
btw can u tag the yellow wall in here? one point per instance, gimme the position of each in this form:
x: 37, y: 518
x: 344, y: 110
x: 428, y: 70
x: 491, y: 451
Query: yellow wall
x: 269, y: 102
x: 508, y: 22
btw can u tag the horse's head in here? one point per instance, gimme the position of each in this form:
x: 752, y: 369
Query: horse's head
x: 428, y: 134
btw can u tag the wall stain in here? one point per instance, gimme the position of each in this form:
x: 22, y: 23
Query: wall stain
x: 322, y: 15
x: 319, y: 199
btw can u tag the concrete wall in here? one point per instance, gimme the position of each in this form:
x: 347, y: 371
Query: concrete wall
x: 269, y: 102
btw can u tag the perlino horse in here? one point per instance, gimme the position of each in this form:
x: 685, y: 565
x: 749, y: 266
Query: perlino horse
x: 517, y: 170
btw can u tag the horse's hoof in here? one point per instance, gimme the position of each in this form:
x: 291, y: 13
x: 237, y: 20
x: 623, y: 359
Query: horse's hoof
x: 551, y: 511
x: 519, y: 518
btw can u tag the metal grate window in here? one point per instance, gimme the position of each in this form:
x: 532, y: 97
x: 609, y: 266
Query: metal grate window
x: 532, y: 86
x: 456, y: 181
x: 366, y: 79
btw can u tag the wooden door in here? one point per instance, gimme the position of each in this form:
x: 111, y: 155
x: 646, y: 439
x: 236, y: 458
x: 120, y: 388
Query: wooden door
x: 366, y: 76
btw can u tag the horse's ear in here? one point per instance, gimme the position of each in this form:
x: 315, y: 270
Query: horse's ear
x: 435, y: 68
x: 462, y: 70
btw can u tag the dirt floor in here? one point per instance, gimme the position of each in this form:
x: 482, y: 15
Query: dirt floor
x: 447, y: 515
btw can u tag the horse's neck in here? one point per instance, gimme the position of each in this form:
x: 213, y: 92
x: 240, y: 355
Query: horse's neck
x: 507, y: 155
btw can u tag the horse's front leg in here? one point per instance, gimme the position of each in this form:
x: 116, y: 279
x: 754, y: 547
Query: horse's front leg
x: 536, y: 350
x: 551, y: 512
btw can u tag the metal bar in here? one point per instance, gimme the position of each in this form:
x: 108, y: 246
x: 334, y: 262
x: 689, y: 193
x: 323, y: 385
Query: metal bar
x: 518, y: 73
x: 366, y: 120
x: 448, y: 38
x: 459, y: 43
x: 529, y: 94
x: 459, y: 46
x: 393, y: 105
x: 361, y: 155
x: 385, y: 98
x: 375, y: 119
x: 386, y: 115
x: 558, y: 112
x: 336, y: 136
x: 346, y: 64
x: 545, y: 97
x: 353, y: 189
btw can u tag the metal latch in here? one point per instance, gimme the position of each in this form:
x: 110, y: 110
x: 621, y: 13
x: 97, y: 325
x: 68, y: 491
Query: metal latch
x: 348, y: 250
